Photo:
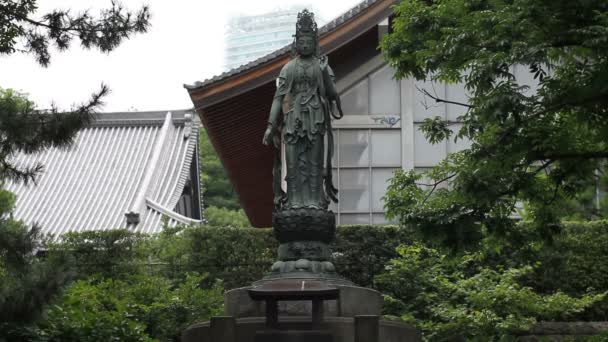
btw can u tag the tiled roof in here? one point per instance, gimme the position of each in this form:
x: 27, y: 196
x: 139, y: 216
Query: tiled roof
x: 332, y: 25
x: 123, y: 162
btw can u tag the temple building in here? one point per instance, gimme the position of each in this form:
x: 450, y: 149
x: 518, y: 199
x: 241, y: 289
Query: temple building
x: 135, y: 170
x: 378, y: 134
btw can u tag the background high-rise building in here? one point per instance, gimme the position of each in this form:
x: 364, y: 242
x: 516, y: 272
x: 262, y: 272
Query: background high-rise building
x: 251, y: 37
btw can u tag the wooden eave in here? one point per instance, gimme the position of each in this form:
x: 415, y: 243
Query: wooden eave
x: 224, y: 89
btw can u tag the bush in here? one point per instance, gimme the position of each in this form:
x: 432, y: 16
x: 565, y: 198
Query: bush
x: 502, y: 287
x: 140, y: 308
x: 222, y: 217
x: 237, y: 256
x: 361, y: 252
x: 574, y: 261
x: 439, y: 296
x: 109, y: 253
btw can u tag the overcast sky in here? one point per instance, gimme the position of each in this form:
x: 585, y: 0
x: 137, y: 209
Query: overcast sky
x: 185, y: 44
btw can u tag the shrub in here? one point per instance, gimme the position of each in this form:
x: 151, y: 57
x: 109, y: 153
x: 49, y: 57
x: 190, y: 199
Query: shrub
x: 223, y: 217
x: 438, y: 295
x: 139, y: 308
x: 109, y: 253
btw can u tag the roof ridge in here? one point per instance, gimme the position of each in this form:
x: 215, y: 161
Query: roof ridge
x: 190, y: 154
x: 133, y: 214
x: 170, y: 213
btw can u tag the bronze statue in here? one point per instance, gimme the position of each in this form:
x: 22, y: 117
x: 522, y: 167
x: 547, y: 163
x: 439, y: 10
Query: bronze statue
x: 300, y: 116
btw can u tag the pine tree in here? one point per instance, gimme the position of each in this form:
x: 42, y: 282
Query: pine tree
x: 28, y: 283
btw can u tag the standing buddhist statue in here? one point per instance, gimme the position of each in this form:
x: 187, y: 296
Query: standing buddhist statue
x: 300, y: 118
x: 301, y: 115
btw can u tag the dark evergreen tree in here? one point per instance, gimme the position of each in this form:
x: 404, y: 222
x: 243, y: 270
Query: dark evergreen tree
x: 28, y: 283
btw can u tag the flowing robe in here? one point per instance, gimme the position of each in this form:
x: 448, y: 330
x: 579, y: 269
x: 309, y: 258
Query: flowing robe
x: 305, y: 90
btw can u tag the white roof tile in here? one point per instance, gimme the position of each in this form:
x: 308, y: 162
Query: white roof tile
x: 92, y: 184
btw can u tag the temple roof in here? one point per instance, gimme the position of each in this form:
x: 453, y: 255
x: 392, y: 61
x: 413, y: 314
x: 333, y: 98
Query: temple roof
x: 134, y: 162
x: 330, y: 26
x: 234, y: 106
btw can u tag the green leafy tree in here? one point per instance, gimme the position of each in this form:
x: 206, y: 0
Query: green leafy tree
x: 220, y: 199
x: 537, y: 148
x: 592, y: 202
x: 217, y: 189
x: 27, y: 284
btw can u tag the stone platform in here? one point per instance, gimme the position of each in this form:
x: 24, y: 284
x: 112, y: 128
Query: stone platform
x: 353, y: 317
x: 342, y: 328
x: 353, y: 301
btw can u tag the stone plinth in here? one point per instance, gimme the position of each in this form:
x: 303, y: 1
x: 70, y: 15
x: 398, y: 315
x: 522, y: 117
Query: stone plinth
x: 354, y: 301
x: 341, y: 328
x: 293, y: 336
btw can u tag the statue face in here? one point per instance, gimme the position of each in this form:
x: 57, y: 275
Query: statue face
x: 305, y: 45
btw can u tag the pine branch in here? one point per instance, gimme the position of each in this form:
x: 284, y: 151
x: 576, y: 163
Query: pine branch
x: 105, y: 32
x: 26, y: 130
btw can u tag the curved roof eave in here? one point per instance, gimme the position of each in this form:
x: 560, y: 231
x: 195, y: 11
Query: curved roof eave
x: 333, y: 35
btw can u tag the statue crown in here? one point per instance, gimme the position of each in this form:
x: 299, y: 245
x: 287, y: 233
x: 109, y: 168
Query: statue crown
x: 306, y: 24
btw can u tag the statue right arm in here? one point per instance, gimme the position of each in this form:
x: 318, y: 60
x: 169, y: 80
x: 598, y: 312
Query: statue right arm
x: 277, y: 104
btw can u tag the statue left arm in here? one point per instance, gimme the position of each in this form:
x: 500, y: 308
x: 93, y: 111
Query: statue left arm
x: 329, y: 80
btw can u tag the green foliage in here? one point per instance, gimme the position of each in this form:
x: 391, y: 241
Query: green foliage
x: 237, y: 256
x: 539, y: 148
x: 242, y: 256
x: 361, y: 252
x: 139, y: 308
x: 449, y: 297
x: 217, y: 189
x: 27, y: 283
x: 153, y: 287
x: 590, y: 203
x: 111, y: 253
x: 222, y: 217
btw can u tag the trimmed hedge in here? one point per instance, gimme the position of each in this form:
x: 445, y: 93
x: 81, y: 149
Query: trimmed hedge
x: 574, y: 261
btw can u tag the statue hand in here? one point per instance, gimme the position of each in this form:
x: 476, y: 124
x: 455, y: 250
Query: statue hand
x: 323, y: 62
x: 267, y: 136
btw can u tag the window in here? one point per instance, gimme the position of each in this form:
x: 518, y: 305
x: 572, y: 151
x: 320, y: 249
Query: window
x: 355, y: 101
x: 384, y: 92
x: 375, y: 94
x: 366, y: 157
x: 364, y: 161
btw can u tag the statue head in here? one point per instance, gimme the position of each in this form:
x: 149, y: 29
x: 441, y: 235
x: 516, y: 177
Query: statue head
x: 306, y: 41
